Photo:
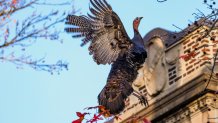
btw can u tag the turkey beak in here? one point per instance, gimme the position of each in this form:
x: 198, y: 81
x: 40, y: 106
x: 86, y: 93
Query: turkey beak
x: 140, y: 18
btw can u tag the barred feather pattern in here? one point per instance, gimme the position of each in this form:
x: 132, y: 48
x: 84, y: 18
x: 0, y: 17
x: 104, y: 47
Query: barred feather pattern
x: 119, y: 82
x: 110, y: 44
x: 104, y: 29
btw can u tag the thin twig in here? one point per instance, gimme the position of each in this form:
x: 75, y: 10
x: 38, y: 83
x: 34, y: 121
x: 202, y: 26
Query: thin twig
x: 211, y: 74
x: 160, y: 1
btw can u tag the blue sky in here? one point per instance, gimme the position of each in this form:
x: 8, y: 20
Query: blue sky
x: 33, y: 96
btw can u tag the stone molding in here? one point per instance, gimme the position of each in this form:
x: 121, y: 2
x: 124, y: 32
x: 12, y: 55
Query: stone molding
x: 203, y: 104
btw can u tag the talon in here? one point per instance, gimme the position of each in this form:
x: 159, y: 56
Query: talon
x: 142, y: 98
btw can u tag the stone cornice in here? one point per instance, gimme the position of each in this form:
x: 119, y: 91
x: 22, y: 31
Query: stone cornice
x: 202, y: 104
x: 184, y: 94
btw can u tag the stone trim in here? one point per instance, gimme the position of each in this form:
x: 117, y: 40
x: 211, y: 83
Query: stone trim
x: 202, y: 104
x: 174, y: 99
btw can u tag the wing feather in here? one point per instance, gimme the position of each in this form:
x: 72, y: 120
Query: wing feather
x: 108, y: 6
x: 78, y: 35
x: 104, y: 29
x: 96, y: 6
x: 100, y: 5
x: 104, y: 6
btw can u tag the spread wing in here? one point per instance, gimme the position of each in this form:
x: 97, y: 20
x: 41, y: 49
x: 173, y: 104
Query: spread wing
x: 104, y: 29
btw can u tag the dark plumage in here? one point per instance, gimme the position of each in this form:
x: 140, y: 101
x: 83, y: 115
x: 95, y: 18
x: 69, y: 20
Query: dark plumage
x: 111, y: 44
x: 119, y: 82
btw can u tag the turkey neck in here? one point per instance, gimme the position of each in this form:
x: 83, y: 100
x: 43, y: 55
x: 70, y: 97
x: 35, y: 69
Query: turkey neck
x: 137, y: 38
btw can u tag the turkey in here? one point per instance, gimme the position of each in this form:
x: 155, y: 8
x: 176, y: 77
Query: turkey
x: 110, y: 44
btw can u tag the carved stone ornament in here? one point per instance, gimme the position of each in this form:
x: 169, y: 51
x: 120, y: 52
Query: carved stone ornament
x: 186, y: 114
x: 155, y: 72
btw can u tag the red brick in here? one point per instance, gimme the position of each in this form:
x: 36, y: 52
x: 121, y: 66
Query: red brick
x: 191, y: 43
x: 189, y: 67
x: 193, y: 60
x: 195, y: 36
x: 205, y: 41
x: 195, y: 46
x: 186, y: 41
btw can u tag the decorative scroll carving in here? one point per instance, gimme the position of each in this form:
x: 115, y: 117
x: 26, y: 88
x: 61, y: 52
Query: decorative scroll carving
x: 155, y: 72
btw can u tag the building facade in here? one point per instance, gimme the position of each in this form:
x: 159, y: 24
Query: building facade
x: 179, y: 78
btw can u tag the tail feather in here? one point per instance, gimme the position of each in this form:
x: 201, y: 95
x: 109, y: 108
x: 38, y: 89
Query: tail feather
x: 113, y: 96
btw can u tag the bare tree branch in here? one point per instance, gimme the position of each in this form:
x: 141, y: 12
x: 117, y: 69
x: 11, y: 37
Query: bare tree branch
x: 35, y: 64
x: 33, y: 28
